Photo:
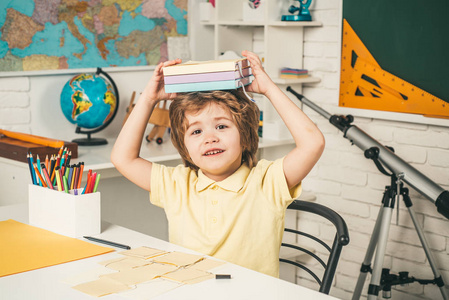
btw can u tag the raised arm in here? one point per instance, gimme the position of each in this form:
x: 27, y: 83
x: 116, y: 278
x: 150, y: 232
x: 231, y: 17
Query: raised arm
x: 308, y: 138
x: 125, y: 153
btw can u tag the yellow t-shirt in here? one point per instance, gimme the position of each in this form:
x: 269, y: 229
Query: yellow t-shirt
x: 239, y: 219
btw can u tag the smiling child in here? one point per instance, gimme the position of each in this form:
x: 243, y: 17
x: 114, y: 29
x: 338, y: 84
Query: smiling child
x: 222, y: 202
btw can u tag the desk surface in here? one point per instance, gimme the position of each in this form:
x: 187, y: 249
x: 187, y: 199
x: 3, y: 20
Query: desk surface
x: 46, y: 283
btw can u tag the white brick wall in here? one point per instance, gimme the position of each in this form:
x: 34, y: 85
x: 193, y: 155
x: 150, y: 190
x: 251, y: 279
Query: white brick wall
x: 15, y: 112
x: 351, y: 184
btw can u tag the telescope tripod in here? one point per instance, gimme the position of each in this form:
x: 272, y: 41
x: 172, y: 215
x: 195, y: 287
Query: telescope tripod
x: 381, y: 279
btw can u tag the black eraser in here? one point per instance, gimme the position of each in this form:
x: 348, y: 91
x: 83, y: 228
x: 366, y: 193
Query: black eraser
x: 222, y: 276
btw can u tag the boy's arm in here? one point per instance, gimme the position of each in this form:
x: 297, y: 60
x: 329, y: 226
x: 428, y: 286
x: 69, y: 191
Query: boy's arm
x: 308, y: 138
x: 125, y: 153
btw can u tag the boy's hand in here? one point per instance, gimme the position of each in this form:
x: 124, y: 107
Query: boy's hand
x: 262, y: 82
x: 155, y: 91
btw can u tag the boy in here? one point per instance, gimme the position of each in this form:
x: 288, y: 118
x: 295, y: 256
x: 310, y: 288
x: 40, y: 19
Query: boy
x: 222, y: 202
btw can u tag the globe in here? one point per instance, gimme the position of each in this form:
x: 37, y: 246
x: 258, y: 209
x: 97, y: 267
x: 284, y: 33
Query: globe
x: 89, y: 101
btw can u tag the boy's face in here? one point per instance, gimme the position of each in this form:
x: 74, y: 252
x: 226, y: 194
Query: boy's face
x: 213, y: 141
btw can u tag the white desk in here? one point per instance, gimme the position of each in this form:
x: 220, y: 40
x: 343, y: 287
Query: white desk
x: 46, y: 283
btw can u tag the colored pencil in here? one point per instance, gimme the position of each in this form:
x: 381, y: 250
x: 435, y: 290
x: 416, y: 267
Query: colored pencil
x: 58, y: 179
x: 96, y: 183
x: 33, y: 180
x: 46, y: 176
x: 86, y: 188
x: 61, y: 162
x: 81, y: 175
x: 60, y: 151
x: 38, y: 161
x: 36, y: 180
x: 40, y: 176
x: 61, y: 177
x: 58, y: 159
x: 66, y: 186
x: 52, y: 166
x: 69, y: 178
x: 92, y: 182
x: 77, y: 174
x: 69, y: 156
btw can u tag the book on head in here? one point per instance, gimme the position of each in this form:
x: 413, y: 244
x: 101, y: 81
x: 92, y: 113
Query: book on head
x: 208, y: 85
x: 212, y: 76
x: 195, y: 67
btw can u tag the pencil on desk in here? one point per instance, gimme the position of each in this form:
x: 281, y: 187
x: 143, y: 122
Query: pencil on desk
x: 46, y: 161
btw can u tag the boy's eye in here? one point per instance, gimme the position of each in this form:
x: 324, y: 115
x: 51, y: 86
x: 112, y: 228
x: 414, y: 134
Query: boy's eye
x: 221, y: 126
x: 198, y: 131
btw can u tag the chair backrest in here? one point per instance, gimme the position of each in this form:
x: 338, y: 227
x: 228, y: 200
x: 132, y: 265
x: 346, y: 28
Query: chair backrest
x: 341, y: 239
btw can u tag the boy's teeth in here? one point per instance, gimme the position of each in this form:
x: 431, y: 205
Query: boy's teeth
x: 213, y: 152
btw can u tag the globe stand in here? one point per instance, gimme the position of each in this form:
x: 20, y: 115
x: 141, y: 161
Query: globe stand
x: 89, y: 141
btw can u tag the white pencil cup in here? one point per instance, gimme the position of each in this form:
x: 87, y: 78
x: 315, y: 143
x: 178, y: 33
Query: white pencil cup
x: 64, y: 213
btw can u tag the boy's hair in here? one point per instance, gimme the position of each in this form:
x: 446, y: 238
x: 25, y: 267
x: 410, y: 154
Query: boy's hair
x: 244, y: 112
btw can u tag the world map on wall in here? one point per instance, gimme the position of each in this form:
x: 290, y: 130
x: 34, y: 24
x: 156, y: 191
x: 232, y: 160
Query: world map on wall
x: 71, y: 34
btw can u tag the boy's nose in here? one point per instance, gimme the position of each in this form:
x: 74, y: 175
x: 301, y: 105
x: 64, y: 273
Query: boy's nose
x: 211, y: 138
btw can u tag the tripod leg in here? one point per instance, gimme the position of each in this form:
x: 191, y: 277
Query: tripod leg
x: 366, y: 265
x: 374, y: 287
x: 429, y: 255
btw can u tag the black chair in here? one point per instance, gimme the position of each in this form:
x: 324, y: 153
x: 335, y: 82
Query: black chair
x: 341, y: 239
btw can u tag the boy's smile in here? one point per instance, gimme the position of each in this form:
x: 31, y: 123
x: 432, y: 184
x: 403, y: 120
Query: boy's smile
x: 213, y: 141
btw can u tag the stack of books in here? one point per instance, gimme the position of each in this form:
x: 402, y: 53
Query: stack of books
x: 194, y: 76
x: 289, y: 73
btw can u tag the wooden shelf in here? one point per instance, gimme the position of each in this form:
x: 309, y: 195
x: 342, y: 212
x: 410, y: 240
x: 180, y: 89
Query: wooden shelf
x: 295, y: 24
x: 261, y: 23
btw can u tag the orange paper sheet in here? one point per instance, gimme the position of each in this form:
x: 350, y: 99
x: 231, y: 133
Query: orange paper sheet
x: 24, y: 248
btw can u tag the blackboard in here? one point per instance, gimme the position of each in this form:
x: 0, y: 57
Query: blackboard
x: 409, y: 39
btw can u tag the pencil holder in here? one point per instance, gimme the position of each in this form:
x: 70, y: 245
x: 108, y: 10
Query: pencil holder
x: 64, y: 213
